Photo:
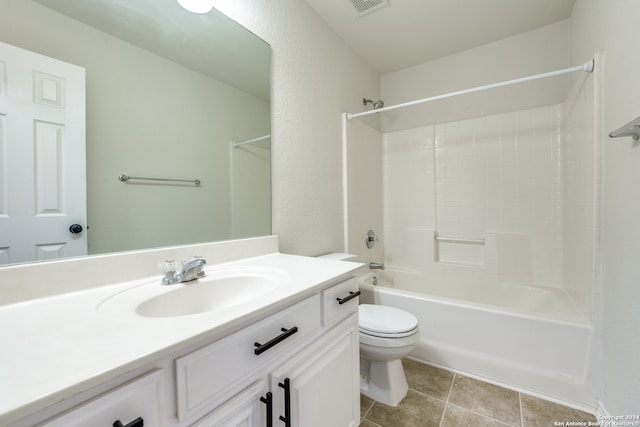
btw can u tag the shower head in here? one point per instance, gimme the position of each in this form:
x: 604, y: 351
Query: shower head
x: 376, y: 105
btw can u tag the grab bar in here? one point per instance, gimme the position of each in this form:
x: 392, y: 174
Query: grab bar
x: 125, y: 178
x: 459, y: 240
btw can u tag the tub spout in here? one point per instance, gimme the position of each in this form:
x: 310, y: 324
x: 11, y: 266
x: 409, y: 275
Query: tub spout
x: 376, y: 266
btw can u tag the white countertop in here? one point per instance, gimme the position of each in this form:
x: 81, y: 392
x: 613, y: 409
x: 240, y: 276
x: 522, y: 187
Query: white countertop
x: 57, y: 346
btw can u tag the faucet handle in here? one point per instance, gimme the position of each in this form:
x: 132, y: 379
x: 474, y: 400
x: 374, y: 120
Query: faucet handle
x: 168, y: 268
x: 194, y: 260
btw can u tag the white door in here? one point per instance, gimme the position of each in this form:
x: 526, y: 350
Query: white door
x: 42, y: 157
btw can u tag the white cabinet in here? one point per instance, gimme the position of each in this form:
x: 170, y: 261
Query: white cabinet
x: 211, y: 375
x: 313, y: 375
x: 139, y: 402
x: 320, y: 386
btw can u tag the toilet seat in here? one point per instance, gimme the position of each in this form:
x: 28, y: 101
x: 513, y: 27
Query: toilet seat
x: 386, y: 322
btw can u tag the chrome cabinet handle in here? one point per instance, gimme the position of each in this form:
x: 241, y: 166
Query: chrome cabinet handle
x: 351, y: 296
x: 261, y: 348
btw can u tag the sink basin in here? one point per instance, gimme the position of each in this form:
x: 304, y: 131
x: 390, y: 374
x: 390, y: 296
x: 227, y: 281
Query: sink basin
x: 220, y: 289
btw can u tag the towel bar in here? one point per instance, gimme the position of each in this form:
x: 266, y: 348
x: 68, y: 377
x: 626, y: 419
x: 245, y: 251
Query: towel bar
x: 125, y: 178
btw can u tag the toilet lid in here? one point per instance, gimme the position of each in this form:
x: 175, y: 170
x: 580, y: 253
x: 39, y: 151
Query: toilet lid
x: 384, y: 320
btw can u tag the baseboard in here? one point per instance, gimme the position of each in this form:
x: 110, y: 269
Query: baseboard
x: 601, y: 411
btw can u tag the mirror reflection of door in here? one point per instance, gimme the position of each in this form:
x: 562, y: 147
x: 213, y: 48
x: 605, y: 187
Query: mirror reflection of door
x: 42, y: 157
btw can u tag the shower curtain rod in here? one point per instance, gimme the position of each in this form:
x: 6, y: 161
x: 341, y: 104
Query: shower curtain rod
x: 586, y: 67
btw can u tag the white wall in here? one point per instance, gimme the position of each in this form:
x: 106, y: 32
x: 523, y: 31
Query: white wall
x: 315, y: 79
x: 533, y: 52
x: 610, y: 26
x: 365, y: 189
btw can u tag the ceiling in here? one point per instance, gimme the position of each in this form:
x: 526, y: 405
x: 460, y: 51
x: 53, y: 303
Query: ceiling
x: 411, y: 32
x: 208, y: 43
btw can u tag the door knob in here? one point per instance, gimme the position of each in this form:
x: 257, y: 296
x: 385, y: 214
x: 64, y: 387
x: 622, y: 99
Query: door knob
x: 75, y: 229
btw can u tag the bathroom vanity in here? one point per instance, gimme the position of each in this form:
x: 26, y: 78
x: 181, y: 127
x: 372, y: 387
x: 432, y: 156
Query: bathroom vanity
x: 91, y: 356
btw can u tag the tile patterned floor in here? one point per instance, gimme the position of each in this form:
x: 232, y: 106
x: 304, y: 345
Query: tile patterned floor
x: 439, y: 398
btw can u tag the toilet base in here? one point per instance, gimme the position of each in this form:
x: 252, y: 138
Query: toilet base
x: 383, y: 381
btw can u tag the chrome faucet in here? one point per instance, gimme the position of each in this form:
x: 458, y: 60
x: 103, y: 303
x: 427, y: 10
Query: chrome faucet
x: 191, y: 270
x: 376, y: 266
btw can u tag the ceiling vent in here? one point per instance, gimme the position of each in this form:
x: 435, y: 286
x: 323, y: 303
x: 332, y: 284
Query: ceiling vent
x: 367, y: 6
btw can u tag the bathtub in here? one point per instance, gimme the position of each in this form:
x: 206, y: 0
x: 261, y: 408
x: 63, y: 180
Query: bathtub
x: 524, y: 337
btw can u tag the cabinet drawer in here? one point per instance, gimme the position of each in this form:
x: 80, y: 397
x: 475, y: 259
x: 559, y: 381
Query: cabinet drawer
x: 212, y: 374
x: 140, y: 398
x: 340, y: 300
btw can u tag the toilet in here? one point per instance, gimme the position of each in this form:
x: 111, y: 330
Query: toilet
x: 387, y: 334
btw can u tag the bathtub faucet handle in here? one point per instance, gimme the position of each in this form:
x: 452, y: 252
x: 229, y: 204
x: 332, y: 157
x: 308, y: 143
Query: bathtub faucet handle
x: 370, y: 239
x: 376, y: 266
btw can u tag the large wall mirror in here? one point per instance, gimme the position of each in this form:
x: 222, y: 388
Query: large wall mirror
x: 169, y: 95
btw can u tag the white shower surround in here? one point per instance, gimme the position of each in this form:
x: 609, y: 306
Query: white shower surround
x: 523, y: 182
x: 496, y: 178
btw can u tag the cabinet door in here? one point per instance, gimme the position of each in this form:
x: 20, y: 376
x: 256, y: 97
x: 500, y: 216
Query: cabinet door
x: 323, y: 386
x: 244, y: 410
